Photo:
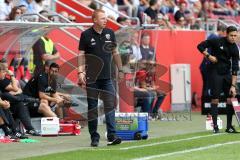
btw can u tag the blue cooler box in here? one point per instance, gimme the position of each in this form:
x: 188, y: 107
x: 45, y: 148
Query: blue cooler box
x: 132, y: 126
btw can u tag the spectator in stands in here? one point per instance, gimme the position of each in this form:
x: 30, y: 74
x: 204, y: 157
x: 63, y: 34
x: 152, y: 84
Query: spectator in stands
x: 38, y: 5
x: 125, y: 5
x: 182, y: 10
x: 28, y: 4
x: 236, y: 7
x: 72, y: 18
x: 43, y: 50
x: 111, y: 9
x: 124, y: 21
x: 207, y: 11
x: 5, y: 9
x: 92, y: 5
x: 45, y: 14
x: 11, y: 92
x: 180, y: 22
x: 23, y: 8
x: 65, y: 15
x: 192, y: 23
x: 195, y: 6
x: 44, y: 87
x: 147, y: 51
x: 153, y: 9
x: 163, y: 22
x: 168, y: 6
x: 142, y: 6
x: 135, y: 46
x: 15, y: 14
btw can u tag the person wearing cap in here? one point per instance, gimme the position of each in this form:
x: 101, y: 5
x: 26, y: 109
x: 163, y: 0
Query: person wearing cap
x: 222, y: 70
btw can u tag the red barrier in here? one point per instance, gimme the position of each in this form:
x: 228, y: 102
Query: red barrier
x: 84, y: 10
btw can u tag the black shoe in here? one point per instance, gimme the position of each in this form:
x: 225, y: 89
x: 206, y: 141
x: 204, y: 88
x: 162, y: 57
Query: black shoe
x: 231, y: 130
x: 12, y: 137
x: 95, y: 142
x: 114, y: 140
x: 21, y: 136
x: 215, y: 130
x: 33, y: 132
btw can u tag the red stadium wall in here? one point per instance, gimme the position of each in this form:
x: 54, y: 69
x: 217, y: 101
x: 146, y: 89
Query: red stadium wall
x: 180, y: 47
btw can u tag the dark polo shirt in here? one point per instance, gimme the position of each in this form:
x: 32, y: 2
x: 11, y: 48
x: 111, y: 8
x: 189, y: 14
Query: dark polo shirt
x: 98, y: 53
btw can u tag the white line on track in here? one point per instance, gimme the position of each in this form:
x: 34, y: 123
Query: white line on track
x: 171, y: 141
x: 187, y: 151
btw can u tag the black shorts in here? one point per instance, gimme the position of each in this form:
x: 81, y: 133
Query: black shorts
x: 219, y: 84
x: 33, y: 110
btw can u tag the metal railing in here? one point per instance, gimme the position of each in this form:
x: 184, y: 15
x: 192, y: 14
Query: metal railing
x: 73, y: 10
x: 47, y: 20
x: 210, y: 26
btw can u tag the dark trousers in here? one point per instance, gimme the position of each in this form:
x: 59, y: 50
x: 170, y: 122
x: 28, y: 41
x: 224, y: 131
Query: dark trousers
x: 220, y: 83
x: 158, y: 103
x: 19, y: 110
x: 146, y: 98
x: 105, y: 89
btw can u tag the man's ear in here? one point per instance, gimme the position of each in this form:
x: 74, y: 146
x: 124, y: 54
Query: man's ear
x: 94, y: 20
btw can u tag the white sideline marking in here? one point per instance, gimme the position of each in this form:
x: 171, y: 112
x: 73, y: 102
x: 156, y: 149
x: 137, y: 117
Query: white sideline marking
x: 171, y: 141
x: 186, y: 151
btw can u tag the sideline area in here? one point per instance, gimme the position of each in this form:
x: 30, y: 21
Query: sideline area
x: 157, y: 129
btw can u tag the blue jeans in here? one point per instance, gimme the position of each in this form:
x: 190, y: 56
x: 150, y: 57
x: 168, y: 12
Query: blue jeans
x: 158, y: 103
x: 104, y: 88
x: 146, y: 99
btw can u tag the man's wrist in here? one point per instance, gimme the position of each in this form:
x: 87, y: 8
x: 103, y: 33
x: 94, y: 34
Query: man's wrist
x: 81, y: 72
x: 207, y: 56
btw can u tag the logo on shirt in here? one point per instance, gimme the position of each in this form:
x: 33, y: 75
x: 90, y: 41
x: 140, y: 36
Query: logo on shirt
x: 107, y: 36
x: 93, y: 42
x: 221, y: 47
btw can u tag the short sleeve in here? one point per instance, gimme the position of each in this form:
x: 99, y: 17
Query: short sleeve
x: 82, y: 42
x: 41, y: 83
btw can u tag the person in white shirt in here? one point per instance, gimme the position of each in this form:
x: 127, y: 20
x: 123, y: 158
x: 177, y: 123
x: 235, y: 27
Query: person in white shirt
x: 38, y: 5
x: 28, y: 4
x: 136, y: 51
x: 111, y: 9
x: 5, y: 9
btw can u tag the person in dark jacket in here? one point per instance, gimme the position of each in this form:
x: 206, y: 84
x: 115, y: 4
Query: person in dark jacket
x: 223, y: 70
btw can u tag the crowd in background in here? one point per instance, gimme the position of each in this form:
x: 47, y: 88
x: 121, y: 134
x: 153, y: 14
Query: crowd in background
x: 166, y: 14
